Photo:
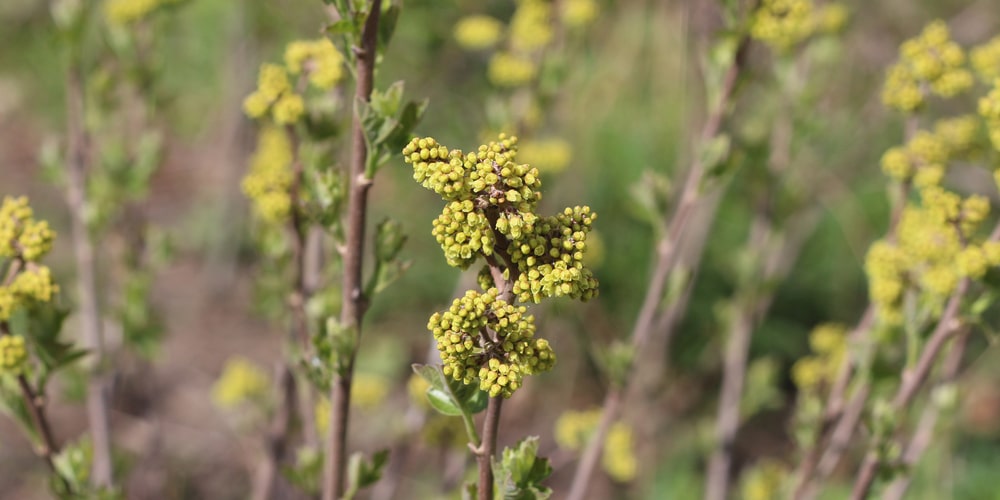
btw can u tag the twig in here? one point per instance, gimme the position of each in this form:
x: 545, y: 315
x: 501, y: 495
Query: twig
x: 928, y: 420
x: 665, y: 263
x: 484, y: 456
x: 90, y: 318
x: 35, y: 403
x: 354, y: 301
x: 839, y: 421
x: 276, y: 445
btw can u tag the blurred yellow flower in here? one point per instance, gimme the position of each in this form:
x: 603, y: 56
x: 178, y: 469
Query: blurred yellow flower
x: 477, y: 32
x: 509, y: 70
x: 547, y: 155
x: 241, y: 381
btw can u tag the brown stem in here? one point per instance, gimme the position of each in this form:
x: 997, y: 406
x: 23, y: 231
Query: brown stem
x: 914, y: 379
x: 665, y: 263
x: 276, y: 444
x: 35, y: 403
x: 484, y: 456
x: 354, y: 301
x: 90, y: 319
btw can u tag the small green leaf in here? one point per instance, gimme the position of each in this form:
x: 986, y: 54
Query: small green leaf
x: 362, y: 473
x: 520, y: 472
x: 387, y: 25
x: 341, y: 27
x: 443, y: 402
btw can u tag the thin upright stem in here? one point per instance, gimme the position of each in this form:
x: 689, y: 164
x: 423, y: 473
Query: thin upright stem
x: 487, y: 448
x: 666, y: 253
x: 35, y: 403
x: 354, y: 301
x: 928, y: 420
x: 90, y: 316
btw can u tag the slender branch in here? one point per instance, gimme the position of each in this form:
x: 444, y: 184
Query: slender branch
x: 90, y: 316
x: 928, y: 420
x: 839, y: 421
x: 35, y: 403
x: 276, y: 445
x: 665, y: 264
x: 913, y: 380
x: 354, y: 301
x: 487, y: 448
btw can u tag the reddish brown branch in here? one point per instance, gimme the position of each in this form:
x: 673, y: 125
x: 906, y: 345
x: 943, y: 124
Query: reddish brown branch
x: 354, y: 301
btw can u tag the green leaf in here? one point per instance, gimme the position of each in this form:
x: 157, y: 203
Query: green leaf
x: 520, y: 472
x: 362, y: 473
x: 386, y: 103
x: 387, y: 25
x: 341, y: 27
x: 448, y: 396
x: 444, y: 403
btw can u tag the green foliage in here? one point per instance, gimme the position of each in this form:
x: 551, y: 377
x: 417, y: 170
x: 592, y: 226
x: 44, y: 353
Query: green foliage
x: 362, y: 472
x: 520, y: 471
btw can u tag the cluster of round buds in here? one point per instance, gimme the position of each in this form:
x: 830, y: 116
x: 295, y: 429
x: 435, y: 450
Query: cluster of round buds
x: 270, y: 177
x: 829, y: 346
x: 463, y: 233
x: 783, y: 24
x: 482, y: 337
x: 13, y: 354
x: 924, y: 158
x: 319, y: 58
x: 550, y: 260
x: 21, y: 236
x: 490, y: 175
x: 934, y: 249
x: 275, y: 94
x: 986, y: 60
x: 930, y: 61
x: 989, y: 109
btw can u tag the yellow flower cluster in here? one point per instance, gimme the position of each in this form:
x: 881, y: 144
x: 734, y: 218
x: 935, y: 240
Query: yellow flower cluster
x: 930, y: 62
x: 269, y: 180
x: 26, y: 239
x: 930, y: 254
x: 478, y: 32
x: 129, y: 11
x: 319, y: 59
x: 21, y: 236
x: 321, y: 413
x: 764, y: 481
x: 783, y: 24
x: 530, y: 30
x: 925, y: 157
x: 989, y: 109
x: 531, y: 25
x: 33, y: 285
x: 986, y: 60
x: 619, y: 459
x: 368, y: 390
x: 274, y: 93
x: 547, y: 155
x: 13, y: 354
x: 574, y: 429
x: 829, y: 346
x: 578, y: 13
x: 241, y: 381
x: 416, y: 388
x: 507, y: 69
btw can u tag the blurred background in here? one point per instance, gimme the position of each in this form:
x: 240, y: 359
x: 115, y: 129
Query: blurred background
x: 630, y: 103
